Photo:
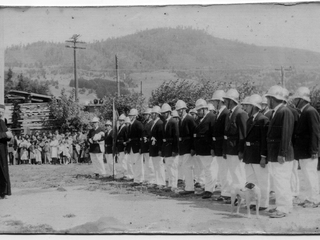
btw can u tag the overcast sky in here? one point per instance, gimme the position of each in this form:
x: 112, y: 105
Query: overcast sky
x: 261, y: 24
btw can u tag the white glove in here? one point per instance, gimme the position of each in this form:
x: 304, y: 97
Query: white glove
x: 9, y: 134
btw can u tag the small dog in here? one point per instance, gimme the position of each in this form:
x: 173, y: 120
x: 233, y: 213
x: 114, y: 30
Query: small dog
x: 249, y: 192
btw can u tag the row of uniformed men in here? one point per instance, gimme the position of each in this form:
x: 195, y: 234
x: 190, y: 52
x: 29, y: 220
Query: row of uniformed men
x: 232, y: 145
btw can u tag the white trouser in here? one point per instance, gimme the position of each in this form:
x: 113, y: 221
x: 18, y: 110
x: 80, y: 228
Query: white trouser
x: 171, y: 164
x: 236, y: 169
x: 187, y: 168
x: 295, y: 183
x: 281, y: 174
x: 159, y: 171
x: 198, y: 170
x: 224, y: 176
x: 137, y: 164
x: 121, y: 165
x: 180, y: 169
x: 97, y: 163
x: 259, y: 176
x: 210, y: 166
x: 110, y: 165
x: 129, y: 162
x: 310, y: 173
x: 149, y: 174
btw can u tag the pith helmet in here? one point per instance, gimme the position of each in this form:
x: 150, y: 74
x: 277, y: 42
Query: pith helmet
x: 147, y: 111
x: 233, y: 95
x: 122, y: 117
x: 174, y: 113
x: 127, y: 120
x: 211, y: 107
x: 201, y: 103
x: 245, y: 100
x: 218, y: 95
x: 133, y: 112
x: 180, y: 105
x: 255, y: 100
x: 286, y: 94
x: 264, y: 100
x: 303, y: 93
x: 95, y: 119
x: 165, y: 108
x: 156, y: 109
x: 108, y: 122
x: 276, y: 92
x: 193, y: 111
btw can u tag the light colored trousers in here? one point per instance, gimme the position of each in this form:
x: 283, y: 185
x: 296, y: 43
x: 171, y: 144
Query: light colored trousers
x: 110, y: 165
x: 210, y: 167
x: 281, y: 174
x: 224, y: 176
x: 149, y: 174
x: 180, y: 169
x: 171, y: 164
x: 121, y: 165
x: 198, y: 170
x: 259, y: 176
x: 236, y: 169
x: 97, y: 163
x: 187, y: 170
x: 129, y: 162
x: 159, y: 171
x: 137, y: 165
x: 295, y: 183
x: 310, y: 173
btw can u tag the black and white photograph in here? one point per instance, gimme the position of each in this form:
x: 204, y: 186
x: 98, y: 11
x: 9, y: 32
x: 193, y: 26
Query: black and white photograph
x: 166, y: 118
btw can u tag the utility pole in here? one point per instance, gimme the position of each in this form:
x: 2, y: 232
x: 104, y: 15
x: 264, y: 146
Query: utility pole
x: 2, y: 77
x: 140, y: 87
x: 283, y: 84
x: 117, y: 71
x: 74, y: 40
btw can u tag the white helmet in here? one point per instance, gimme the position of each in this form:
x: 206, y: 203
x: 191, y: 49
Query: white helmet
x: 218, y: 95
x: 133, y: 112
x: 276, y: 92
x: 264, y: 100
x: 255, y: 100
x: 286, y: 94
x: 165, y: 108
x: 180, y: 105
x: 233, y: 95
x: 211, y: 107
x: 245, y: 100
x: 108, y: 122
x: 201, y: 103
x: 147, y: 111
x: 303, y: 93
x: 122, y: 117
x: 95, y: 119
x: 175, y: 113
x: 156, y: 109
x: 127, y: 120
x: 193, y: 110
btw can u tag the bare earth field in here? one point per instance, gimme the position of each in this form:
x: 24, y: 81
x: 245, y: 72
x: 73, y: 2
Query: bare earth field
x: 65, y: 199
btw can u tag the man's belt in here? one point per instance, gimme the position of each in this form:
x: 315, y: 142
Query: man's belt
x: 230, y: 138
x: 217, y: 138
x: 184, y: 138
x: 120, y: 141
x: 134, y: 139
x: 270, y: 140
x: 199, y: 135
x: 249, y: 144
x: 167, y: 139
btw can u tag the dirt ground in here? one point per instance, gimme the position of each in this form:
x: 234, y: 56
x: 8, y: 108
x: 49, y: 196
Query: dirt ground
x: 65, y: 199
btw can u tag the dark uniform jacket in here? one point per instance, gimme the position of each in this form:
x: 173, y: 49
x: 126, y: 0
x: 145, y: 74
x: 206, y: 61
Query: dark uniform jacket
x: 279, y: 136
x: 235, y: 132
x: 267, y: 112
x: 5, y: 186
x: 156, y: 138
x: 218, y: 132
x: 296, y: 116
x: 146, y: 135
x: 307, y: 134
x: 256, y: 139
x: 170, y: 138
x: 108, y: 141
x: 122, y: 138
x: 95, y: 146
x: 203, y: 135
x: 187, y: 126
x: 134, y: 136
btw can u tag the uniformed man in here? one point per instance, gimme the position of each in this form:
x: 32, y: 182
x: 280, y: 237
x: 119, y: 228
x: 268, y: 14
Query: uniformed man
x: 280, y: 151
x: 265, y: 110
x: 108, y: 141
x: 149, y: 174
x: 170, y: 147
x: 186, y: 147
x: 155, y: 146
x: 244, y: 103
x: 306, y: 144
x: 122, y: 137
x: 217, y: 147
x: 135, y: 136
x: 234, y: 137
x: 255, y: 149
x: 193, y: 112
x: 211, y: 108
x: 176, y: 117
x: 96, y: 148
x: 203, y: 143
x: 127, y: 159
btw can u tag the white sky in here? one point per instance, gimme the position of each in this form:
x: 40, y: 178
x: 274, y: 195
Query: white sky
x: 261, y: 24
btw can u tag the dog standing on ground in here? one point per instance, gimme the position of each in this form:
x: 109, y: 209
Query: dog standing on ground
x: 249, y: 192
